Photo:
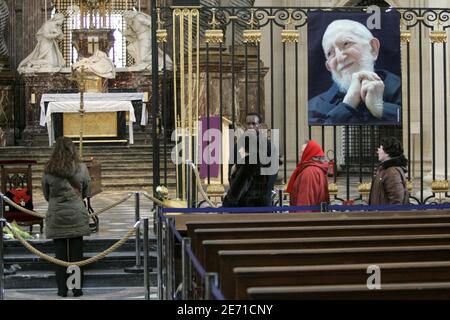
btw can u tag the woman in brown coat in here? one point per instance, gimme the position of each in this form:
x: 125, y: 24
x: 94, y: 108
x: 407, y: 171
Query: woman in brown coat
x: 65, y: 183
x: 389, y: 184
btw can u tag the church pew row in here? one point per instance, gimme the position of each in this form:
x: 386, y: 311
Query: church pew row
x: 335, y: 256
x: 408, y: 291
x: 182, y: 219
x: 354, y: 274
x: 201, y: 235
x: 212, y: 247
x: 328, y: 220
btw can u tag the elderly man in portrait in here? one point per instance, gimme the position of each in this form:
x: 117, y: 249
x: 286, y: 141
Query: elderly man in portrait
x: 359, y: 94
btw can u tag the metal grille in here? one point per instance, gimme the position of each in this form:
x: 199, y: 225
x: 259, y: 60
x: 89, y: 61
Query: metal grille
x: 362, y: 145
x: 118, y: 53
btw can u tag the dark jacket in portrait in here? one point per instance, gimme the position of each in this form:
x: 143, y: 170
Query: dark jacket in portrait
x: 389, y: 185
x: 67, y: 216
x: 328, y: 108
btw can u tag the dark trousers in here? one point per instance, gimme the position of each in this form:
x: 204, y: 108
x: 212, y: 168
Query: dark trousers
x: 67, y: 249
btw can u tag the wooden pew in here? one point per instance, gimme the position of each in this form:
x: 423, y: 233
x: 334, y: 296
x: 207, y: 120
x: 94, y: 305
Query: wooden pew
x: 201, y: 235
x: 412, y: 291
x: 182, y: 219
x: 211, y: 247
x: 295, y: 257
x: 354, y: 274
x: 328, y: 220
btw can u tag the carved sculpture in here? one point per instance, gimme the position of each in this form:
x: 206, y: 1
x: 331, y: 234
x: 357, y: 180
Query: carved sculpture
x: 139, y: 36
x: 99, y: 64
x: 46, y: 56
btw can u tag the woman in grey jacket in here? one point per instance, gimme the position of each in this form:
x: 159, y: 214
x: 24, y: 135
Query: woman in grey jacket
x: 65, y: 183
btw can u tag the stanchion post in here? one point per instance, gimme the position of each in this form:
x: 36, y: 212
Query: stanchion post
x: 211, y: 279
x: 138, y: 267
x: 169, y: 264
x: 187, y: 268
x: 159, y: 260
x: 324, y: 207
x: 2, y: 224
x: 189, y: 190
x: 146, y: 261
x: 281, y: 196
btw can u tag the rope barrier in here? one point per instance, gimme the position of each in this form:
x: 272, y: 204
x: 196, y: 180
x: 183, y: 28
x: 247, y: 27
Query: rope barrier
x: 128, y: 196
x: 66, y: 264
x: 199, y: 184
x: 155, y: 200
x: 42, y: 215
x: 30, y: 212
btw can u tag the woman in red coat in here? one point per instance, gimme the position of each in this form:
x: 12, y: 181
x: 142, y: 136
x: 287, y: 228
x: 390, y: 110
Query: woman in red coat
x: 308, y: 185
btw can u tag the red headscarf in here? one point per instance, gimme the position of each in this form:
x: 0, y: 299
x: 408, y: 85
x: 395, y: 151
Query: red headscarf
x: 312, y: 149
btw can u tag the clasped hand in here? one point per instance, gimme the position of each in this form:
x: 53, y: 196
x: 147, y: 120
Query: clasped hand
x: 367, y: 87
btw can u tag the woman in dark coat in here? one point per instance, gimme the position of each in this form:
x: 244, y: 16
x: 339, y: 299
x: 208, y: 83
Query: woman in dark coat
x: 248, y: 187
x: 65, y: 183
x: 389, y: 184
x: 308, y: 185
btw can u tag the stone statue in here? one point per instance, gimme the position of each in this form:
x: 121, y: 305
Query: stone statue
x: 46, y: 56
x: 139, y: 35
x: 99, y: 64
x: 4, y: 18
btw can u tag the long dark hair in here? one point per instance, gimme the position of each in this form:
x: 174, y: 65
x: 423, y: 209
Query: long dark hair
x: 64, y: 161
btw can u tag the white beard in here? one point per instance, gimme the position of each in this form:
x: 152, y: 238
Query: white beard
x: 367, y: 64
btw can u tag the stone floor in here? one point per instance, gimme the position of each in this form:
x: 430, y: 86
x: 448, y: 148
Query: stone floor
x: 88, y: 294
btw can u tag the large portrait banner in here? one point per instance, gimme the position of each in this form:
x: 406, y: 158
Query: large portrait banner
x: 354, y: 69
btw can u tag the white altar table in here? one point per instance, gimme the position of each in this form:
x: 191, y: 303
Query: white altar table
x: 93, y: 102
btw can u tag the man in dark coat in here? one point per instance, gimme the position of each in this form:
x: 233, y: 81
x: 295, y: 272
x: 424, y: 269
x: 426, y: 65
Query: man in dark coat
x: 389, y: 184
x: 360, y: 94
x: 268, y: 171
x: 248, y: 187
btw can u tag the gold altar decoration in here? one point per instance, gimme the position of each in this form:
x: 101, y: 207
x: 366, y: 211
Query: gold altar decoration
x: 94, y: 31
x: 186, y: 112
x: 97, y: 12
x: 438, y: 36
x: 214, y: 36
x: 161, y: 34
x: 405, y: 34
x: 80, y: 77
x: 289, y: 35
x: 439, y: 186
x: 92, y: 129
x: 252, y: 35
x: 333, y: 189
x: 364, y: 188
x: 409, y: 185
x: 216, y: 192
